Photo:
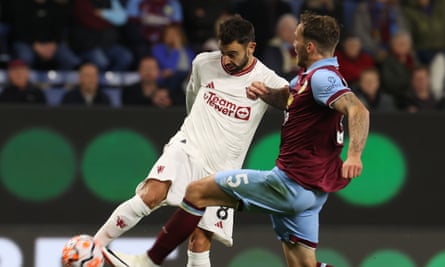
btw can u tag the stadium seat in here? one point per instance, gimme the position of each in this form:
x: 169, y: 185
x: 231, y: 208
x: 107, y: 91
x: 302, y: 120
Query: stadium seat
x: 71, y: 78
x: 3, y: 78
x: 50, y: 78
x: 111, y: 79
x: 130, y: 78
x: 54, y: 96
x: 115, y: 95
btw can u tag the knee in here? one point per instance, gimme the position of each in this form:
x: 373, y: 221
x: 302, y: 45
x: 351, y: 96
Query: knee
x: 200, y: 240
x: 308, y: 262
x: 153, y: 193
x: 193, y: 192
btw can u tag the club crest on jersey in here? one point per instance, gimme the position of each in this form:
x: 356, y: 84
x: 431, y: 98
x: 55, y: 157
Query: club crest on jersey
x: 160, y: 168
x: 227, y: 107
x: 303, y: 87
x: 290, y: 99
x: 120, y: 222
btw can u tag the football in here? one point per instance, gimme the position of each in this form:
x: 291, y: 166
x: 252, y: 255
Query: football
x: 82, y: 251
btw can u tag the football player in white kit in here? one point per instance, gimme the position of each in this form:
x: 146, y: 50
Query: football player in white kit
x: 215, y: 136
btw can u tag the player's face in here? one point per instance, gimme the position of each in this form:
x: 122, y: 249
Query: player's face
x: 236, y: 57
x: 300, y: 47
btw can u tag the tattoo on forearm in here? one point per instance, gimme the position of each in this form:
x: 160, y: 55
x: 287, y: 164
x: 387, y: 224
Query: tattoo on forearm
x: 358, y: 121
x: 359, y: 126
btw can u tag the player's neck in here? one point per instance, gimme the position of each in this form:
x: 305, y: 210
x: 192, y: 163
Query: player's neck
x: 315, y: 58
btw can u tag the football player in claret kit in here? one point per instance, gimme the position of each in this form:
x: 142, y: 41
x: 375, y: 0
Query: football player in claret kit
x: 215, y: 136
x: 308, y: 166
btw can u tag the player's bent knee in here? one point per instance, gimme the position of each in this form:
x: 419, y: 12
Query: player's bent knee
x: 200, y: 240
x: 154, y: 192
x: 194, y: 192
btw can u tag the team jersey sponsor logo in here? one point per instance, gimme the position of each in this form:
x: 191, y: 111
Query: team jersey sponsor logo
x: 226, y: 107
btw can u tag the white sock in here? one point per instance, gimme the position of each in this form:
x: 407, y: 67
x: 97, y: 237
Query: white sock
x: 198, y: 259
x: 123, y: 218
x: 148, y: 262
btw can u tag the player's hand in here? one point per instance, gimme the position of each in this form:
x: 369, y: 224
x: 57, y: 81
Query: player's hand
x: 256, y: 89
x: 352, y: 167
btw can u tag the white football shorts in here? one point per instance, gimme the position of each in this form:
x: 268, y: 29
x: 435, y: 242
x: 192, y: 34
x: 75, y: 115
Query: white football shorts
x: 180, y: 168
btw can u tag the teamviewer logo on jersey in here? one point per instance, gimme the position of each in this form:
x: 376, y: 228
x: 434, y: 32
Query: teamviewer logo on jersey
x: 226, y: 107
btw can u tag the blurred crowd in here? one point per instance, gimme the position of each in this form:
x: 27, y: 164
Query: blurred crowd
x: 139, y: 52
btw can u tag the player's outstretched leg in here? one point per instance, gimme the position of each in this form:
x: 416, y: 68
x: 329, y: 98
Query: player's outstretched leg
x: 123, y: 218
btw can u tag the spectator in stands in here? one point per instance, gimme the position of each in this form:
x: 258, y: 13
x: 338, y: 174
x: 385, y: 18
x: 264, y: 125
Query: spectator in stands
x: 375, y: 22
x: 333, y: 8
x: 38, y: 34
x: 147, y: 91
x: 211, y: 44
x: 279, y: 54
x: 19, y: 89
x: 5, y: 22
x: 95, y: 34
x: 88, y: 92
x: 200, y: 18
x: 397, y: 67
x: 420, y: 96
x: 175, y: 60
x: 146, y: 22
x: 369, y: 91
x: 352, y: 59
x: 426, y: 20
x: 264, y: 15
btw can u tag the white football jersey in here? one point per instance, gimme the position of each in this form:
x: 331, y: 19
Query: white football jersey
x: 221, y: 120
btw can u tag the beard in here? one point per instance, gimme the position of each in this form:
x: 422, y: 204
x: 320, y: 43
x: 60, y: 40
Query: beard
x: 234, y: 68
x: 302, y: 58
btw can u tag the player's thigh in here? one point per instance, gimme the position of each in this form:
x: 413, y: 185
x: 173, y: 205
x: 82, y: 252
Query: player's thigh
x: 266, y: 191
x: 174, y: 170
x: 301, y: 227
x: 249, y: 186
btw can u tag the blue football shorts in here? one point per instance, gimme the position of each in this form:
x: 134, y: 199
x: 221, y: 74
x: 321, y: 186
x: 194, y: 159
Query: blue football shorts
x: 294, y: 210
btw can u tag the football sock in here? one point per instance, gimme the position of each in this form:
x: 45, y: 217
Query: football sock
x: 178, y: 228
x: 198, y: 259
x: 321, y: 264
x: 123, y: 218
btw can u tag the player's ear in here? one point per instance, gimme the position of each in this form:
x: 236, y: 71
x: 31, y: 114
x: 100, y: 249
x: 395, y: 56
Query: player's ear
x: 310, y: 46
x: 251, y: 47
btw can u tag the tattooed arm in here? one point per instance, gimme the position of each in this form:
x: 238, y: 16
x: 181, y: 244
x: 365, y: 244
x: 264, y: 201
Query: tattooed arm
x: 358, y: 127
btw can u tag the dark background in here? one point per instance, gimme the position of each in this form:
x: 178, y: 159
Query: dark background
x: 412, y: 216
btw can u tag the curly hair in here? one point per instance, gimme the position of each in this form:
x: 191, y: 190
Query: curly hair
x: 324, y: 31
x: 236, y: 29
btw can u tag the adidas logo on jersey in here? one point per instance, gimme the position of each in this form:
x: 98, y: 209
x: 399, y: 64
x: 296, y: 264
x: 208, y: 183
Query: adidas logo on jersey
x: 226, y: 107
x: 210, y: 85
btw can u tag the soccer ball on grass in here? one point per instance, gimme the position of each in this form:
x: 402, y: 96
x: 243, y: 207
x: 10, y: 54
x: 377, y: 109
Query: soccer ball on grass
x: 82, y: 251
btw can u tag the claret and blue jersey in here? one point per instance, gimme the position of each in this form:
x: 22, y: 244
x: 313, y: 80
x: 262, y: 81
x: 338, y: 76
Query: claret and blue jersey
x: 311, y: 158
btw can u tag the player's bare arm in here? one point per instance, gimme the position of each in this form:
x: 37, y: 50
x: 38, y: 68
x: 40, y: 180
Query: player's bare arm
x: 274, y: 97
x: 358, y: 125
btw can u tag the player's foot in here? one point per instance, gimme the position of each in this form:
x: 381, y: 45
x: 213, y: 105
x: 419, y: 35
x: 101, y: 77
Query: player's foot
x: 117, y: 259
